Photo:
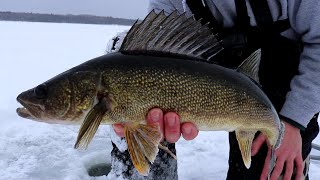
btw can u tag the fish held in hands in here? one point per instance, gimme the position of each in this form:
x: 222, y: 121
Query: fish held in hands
x: 163, y: 62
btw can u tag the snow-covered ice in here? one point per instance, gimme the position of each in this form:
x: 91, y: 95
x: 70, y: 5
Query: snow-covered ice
x: 31, y: 53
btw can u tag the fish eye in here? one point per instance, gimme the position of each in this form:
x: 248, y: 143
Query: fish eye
x: 40, y: 91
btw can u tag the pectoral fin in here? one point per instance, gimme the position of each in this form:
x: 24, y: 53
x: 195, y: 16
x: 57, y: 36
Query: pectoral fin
x: 245, y: 139
x: 91, y: 123
x: 143, y: 141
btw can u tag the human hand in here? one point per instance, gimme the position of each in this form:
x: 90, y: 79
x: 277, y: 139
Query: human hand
x: 288, y: 154
x: 169, y: 126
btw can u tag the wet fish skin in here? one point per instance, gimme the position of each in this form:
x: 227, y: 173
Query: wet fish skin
x: 163, y: 62
x: 208, y: 95
x: 66, y: 99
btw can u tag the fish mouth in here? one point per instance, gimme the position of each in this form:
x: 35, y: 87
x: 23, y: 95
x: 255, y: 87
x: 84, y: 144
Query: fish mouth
x: 29, y: 110
x: 25, y: 113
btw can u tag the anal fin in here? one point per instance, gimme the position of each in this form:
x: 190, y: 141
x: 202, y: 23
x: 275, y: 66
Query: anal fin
x: 245, y: 139
x: 143, y: 141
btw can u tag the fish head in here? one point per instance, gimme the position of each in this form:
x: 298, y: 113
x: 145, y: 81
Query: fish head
x: 64, y: 99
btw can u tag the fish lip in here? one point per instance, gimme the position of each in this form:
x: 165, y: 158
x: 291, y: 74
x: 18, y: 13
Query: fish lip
x: 29, y: 110
x: 25, y: 113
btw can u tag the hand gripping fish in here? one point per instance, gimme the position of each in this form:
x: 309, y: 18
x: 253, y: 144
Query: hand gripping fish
x: 161, y: 63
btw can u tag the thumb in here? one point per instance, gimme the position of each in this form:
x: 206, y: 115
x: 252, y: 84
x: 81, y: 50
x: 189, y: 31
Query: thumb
x: 257, y: 143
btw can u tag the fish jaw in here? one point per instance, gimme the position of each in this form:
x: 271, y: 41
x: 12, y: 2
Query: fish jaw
x: 25, y: 113
x: 35, y: 112
x: 29, y: 110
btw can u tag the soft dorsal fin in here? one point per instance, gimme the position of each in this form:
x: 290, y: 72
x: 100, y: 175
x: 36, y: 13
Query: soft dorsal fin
x: 174, y: 34
x: 250, y: 66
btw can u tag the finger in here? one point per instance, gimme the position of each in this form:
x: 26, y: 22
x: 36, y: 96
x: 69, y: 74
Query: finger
x: 289, y: 169
x: 189, y: 131
x: 118, y: 129
x: 299, y: 167
x: 172, y: 127
x: 155, y: 116
x: 266, y: 166
x: 257, y: 143
x: 278, y: 168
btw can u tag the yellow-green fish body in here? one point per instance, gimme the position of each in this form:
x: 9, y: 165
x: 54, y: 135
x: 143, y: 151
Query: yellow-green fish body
x: 210, y: 96
x: 161, y: 64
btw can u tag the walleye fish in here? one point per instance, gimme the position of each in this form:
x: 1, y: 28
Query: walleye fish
x: 161, y: 63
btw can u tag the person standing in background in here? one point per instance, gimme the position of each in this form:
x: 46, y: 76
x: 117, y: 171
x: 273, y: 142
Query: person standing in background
x: 287, y: 31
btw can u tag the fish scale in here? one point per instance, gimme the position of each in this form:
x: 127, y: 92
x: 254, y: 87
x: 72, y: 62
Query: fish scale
x: 194, y: 95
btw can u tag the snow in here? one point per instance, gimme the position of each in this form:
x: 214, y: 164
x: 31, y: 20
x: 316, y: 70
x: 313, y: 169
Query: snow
x: 34, y: 52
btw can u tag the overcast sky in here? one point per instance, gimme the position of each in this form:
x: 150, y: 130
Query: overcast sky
x: 131, y: 9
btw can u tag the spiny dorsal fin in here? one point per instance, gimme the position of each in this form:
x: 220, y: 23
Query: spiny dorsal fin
x: 174, y: 34
x: 250, y: 66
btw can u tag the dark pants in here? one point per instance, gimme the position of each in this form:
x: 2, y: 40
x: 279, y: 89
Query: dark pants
x: 237, y: 170
x: 279, y: 63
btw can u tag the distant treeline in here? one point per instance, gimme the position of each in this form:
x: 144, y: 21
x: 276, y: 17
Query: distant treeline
x: 82, y: 19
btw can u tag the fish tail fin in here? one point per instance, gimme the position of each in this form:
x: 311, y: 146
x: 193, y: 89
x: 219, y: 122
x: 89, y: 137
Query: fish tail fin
x: 281, y: 134
x: 245, y: 139
x: 143, y: 141
x: 272, y: 161
x: 274, y: 147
